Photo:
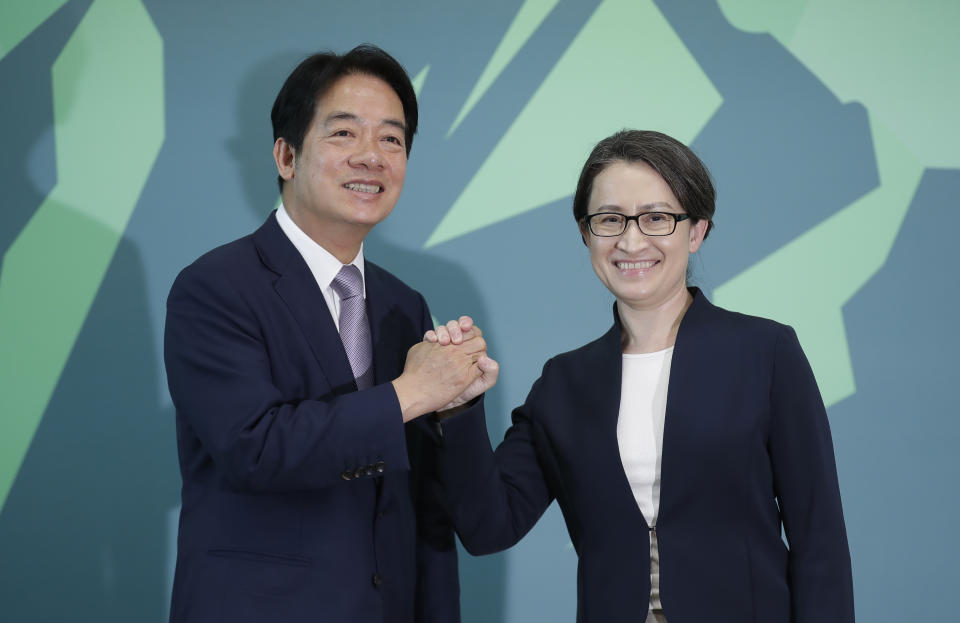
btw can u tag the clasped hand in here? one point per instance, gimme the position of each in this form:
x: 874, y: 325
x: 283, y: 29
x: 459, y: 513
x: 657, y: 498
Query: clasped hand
x: 458, y: 332
x: 445, y: 371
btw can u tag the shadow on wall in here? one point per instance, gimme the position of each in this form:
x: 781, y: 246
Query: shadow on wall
x: 86, y: 520
x: 27, y: 160
x: 83, y: 530
x: 252, y: 143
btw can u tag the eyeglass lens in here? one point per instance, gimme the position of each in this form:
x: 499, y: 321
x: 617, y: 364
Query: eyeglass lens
x: 651, y: 223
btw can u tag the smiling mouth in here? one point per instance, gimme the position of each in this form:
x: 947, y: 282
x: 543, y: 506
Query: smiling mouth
x: 364, y: 188
x: 637, y: 265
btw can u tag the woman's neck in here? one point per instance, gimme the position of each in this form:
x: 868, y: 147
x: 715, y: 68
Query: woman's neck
x: 647, y: 330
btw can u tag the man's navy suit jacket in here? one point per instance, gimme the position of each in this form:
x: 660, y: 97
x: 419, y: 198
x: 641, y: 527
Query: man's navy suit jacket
x: 746, y: 451
x: 303, y: 499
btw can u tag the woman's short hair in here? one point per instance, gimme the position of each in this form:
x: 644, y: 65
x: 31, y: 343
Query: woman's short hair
x: 680, y: 168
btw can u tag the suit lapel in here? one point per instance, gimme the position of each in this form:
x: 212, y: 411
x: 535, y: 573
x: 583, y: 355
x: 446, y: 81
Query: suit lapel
x: 299, y: 290
x: 385, y: 357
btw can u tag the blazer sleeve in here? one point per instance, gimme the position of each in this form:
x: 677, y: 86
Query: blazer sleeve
x: 805, y: 477
x: 220, y: 379
x: 495, y: 498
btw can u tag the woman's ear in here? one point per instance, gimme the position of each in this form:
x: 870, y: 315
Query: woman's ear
x: 698, y: 231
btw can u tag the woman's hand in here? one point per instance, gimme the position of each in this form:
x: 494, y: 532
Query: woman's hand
x: 458, y: 332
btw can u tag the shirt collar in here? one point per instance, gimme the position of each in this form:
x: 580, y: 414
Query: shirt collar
x: 321, y: 262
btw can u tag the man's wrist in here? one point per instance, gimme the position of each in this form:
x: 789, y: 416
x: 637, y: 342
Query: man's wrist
x: 411, y: 402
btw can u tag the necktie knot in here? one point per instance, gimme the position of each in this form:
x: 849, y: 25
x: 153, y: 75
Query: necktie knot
x: 349, y: 282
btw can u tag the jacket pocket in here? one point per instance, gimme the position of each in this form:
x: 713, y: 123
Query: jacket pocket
x: 260, y: 574
x: 253, y: 556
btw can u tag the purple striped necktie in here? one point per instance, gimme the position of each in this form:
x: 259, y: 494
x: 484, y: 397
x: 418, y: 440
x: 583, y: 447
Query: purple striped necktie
x: 354, y: 328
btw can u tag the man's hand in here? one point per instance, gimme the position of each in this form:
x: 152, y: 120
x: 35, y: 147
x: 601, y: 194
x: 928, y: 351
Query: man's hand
x: 457, y: 332
x: 435, y: 374
x: 454, y: 332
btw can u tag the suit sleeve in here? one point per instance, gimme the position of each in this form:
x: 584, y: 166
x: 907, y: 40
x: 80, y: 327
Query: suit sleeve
x: 220, y: 379
x: 805, y: 477
x: 495, y: 498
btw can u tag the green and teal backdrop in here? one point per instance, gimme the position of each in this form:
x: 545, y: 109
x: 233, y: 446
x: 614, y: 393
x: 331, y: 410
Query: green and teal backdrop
x: 136, y: 135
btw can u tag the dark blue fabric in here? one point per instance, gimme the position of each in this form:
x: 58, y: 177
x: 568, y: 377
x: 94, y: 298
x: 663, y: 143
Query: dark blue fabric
x: 746, y: 446
x: 303, y: 498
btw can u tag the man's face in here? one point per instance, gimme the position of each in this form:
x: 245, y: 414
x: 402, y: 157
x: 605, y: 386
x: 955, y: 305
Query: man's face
x: 350, y: 169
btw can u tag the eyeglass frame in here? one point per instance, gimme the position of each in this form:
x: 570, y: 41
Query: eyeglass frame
x: 636, y: 217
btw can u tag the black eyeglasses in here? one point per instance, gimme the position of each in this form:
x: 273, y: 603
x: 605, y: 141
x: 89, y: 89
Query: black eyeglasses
x: 609, y: 224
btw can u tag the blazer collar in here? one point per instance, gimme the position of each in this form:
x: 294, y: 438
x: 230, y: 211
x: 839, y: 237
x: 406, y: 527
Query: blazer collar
x: 607, y: 360
x: 682, y: 390
x: 692, y: 323
x: 297, y: 287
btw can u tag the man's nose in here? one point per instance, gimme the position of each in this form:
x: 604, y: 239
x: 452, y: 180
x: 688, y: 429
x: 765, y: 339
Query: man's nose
x: 367, y: 153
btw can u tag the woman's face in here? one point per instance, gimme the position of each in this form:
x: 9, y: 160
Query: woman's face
x: 644, y: 272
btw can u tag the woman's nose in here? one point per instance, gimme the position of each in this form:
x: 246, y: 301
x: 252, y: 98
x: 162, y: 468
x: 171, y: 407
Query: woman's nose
x: 632, y: 238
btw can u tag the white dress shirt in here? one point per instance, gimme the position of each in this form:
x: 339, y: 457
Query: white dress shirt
x: 321, y: 262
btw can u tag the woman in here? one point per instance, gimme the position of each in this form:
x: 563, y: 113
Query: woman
x: 678, y: 444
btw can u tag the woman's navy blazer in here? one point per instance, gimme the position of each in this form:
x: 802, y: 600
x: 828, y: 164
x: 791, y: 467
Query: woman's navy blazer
x: 746, y: 452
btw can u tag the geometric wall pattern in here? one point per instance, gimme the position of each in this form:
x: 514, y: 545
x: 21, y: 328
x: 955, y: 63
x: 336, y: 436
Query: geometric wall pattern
x: 136, y: 137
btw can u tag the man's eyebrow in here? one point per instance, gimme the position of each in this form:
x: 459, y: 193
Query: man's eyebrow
x: 396, y: 123
x: 342, y: 115
x: 339, y: 115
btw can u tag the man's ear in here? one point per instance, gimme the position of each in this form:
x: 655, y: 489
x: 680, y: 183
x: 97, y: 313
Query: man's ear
x: 284, y: 155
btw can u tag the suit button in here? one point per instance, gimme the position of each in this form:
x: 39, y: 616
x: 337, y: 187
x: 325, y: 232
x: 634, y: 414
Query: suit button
x: 347, y: 475
x: 360, y: 473
x: 368, y: 470
x: 380, y: 467
x: 377, y: 580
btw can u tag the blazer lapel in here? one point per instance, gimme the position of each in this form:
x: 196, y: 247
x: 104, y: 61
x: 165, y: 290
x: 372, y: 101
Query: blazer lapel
x: 299, y: 290
x: 607, y: 364
x: 685, y: 405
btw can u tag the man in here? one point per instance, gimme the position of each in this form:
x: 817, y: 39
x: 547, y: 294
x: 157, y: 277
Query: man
x: 308, y: 484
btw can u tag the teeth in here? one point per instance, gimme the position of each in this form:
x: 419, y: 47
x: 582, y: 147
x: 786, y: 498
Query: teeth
x: 364, y: 188
x: 636, y: 265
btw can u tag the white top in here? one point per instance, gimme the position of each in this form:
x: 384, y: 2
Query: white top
x: 643, y: 405
x: 643, y: 408
x: 321, y: 262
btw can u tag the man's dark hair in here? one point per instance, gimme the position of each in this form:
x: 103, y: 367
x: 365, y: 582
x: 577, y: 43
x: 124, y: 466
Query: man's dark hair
x: 676, y: 163
x: 296, y: 103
